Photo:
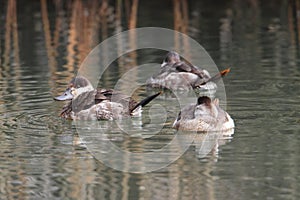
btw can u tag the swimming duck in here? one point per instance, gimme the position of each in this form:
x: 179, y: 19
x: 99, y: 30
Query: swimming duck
x: 178, y: 75
x: 88, y: 103
x: 205, y: 115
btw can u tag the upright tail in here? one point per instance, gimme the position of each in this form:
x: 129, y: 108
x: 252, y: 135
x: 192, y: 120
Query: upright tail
x: 217, y: 77
x: 145, y: 101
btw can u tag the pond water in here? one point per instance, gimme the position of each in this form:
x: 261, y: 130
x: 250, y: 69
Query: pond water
x: 42, y: 45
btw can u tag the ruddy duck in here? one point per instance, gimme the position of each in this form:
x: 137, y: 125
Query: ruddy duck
x: 205, y: 115
x: 178, y: 75
x: 95, y: 104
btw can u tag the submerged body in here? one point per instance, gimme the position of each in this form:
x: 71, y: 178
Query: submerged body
x: 205, y: 115
x: 88, y: 103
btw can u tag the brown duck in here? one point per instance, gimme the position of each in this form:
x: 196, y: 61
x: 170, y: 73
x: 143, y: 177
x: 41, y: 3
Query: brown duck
x: 176, y: 74
x: 205, y: 115
x: 88, y: 103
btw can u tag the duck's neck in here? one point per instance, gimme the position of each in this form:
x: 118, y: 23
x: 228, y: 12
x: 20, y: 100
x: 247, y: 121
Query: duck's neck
x: 83, y: 101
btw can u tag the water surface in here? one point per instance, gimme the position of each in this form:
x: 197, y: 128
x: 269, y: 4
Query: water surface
x: 42, y: 156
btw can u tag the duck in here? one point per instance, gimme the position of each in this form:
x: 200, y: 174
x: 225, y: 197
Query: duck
x: 176, y: 74
x: 203, y: 116
x: 87, y: 103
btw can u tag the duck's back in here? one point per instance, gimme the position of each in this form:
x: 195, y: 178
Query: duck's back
x: 103, y: 103
x: 178, y: 76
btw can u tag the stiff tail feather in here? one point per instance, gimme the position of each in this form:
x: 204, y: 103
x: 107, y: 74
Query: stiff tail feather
x: 145, y: 101
x: 217, y: 77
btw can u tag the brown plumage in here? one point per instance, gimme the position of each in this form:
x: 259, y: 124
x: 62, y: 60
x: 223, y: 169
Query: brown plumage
x: 176, y: 74
x: 205, y: 115
x: 89, y: 103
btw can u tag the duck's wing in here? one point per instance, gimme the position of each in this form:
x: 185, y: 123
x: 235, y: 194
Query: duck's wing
x: 103, y: 94
x: 129, y: 104
x: 184, y: 67
x: 83, y: 101
x: 66, y: 111
x: 111, y: 95
x: 115, y: 96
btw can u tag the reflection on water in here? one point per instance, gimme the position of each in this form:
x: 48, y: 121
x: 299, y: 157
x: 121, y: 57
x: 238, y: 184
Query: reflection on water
x: 143, y: 149
x: 42, y: 44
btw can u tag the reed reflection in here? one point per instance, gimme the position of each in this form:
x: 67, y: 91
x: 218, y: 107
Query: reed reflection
x: 10, y: 68
x: 49, y: 162
x: 294, y: 21
x: 181, y: 24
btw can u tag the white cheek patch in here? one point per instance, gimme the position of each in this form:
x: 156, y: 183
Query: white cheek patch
x: 81, y: 90
x: 163, y: 64
x: 74, y: 92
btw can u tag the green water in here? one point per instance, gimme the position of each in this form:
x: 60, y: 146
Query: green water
x: 42, y: 156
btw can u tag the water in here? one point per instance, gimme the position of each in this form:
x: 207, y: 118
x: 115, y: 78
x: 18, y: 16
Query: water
x: 42, y: 156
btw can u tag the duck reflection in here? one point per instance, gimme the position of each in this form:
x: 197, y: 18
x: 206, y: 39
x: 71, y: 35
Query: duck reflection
x: 209, y: 142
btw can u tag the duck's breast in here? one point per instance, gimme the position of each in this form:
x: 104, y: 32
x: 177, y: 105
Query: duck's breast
x: 105, y: 110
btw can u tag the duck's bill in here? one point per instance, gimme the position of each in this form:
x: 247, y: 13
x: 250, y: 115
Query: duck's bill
x: 65, y: 96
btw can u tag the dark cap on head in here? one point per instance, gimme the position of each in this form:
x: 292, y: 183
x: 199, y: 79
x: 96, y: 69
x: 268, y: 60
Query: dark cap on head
x: 79, y: 81
x: 204, y: 100
x: 172, y: 57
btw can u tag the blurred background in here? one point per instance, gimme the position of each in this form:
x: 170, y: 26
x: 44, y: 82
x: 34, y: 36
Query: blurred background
x: 42, y: 44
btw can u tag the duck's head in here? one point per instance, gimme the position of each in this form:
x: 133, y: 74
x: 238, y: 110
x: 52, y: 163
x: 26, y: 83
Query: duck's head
x: 206, y: 107
x: 203, y: 107
x: 171, y: 58
x: 203, y: 100
x: 205, y: 110
x: 76, y: 87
